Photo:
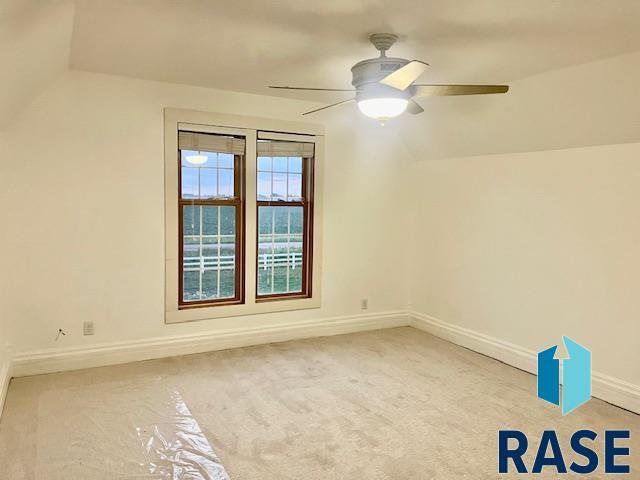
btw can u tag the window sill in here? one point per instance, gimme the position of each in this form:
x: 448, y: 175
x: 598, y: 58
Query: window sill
x: 216, y: 304
x: 281, y: 298
x: 262, y: 306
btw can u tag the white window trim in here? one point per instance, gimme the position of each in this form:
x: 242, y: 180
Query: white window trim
x: 176, y: 119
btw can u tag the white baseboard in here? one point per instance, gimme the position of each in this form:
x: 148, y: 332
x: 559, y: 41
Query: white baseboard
x: 5, y: 378
x: 616, y: 391
x: 605, y: 387
x: 98, y: 355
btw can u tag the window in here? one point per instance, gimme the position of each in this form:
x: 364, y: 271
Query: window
x: 243, y: 215
x: 211, y: 202
x: 284, y: 195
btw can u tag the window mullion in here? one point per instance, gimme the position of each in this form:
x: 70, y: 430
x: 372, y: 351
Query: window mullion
x: 217, y: 175
x: 219, y: 252
x: 273, y: 249
x: 288, y: 241
x: 200, y: 252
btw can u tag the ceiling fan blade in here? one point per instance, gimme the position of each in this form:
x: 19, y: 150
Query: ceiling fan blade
x: 315, y: 89
x: 440, y: 90
x: 405, y: 76
x: 413, y: 108
x: 329, y: 106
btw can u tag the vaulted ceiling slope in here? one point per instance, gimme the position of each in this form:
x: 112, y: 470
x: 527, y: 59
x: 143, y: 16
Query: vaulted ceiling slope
x: 596, y: 103
x: 245, y: 46
x: 35, y: 40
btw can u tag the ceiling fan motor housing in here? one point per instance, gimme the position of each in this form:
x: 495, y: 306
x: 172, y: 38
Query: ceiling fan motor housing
x: 367, y: 74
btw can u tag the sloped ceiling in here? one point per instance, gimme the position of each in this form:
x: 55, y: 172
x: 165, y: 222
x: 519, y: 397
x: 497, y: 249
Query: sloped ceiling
x: 35, y: 40
x: 246, y: 45
x: 596, y: 103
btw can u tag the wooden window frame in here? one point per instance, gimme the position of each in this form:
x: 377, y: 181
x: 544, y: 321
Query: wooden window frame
x: 239, y: 203
x: 307, y: 234
x: 252, y: 129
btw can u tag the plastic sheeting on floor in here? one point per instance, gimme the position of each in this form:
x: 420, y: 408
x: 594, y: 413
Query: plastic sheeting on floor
x: 133, y: 430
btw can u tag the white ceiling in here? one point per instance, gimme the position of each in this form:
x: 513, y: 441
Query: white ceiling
x: 245, y: 45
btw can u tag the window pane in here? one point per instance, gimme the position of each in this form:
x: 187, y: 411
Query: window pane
x: 295, y: 187
x: 227, y: 283
x: 280, y: 253
x: 264, y: 280
x: 265, y: 250
x: 297, y: 219
x: 210, y: 255
x: 191, y: 220
x: 191, y: 284
x: 264, y: 186
x: 209, y: 284
x: 225, y: 160
x: 212, y: 179
x: 264, y: 164
x: 281, y: 219
x: 227, y: 265
x: 225, y: 183
x: 190, y: 182
x: 208, y: 182
x: 296, y: 239
x: 280, y: 278
x: 265, y: 220
x: 295, y: 164
x: 227, y: 253
x: 227, y: 220
x: 280, y: 164
x: 295, y: 278
x: 279, y: 186
x: 209, y: 252
x: 280, y: 178
x: 209, y: 220
x: 192, y: 252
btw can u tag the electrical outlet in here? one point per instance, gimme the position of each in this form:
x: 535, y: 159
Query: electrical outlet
x: 364, y: 303
x: 88, y: 328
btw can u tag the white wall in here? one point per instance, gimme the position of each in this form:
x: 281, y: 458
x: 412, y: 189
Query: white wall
x: 4, y: 348
x: 523, y: 247
x: 528, y: 247
x: 4, y: 337
x: 5, y: 366
x: 5, y: 360
x: 83, y: 211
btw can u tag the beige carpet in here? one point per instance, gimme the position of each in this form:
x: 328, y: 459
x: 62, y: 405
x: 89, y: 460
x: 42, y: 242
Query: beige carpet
x: 390, y: 404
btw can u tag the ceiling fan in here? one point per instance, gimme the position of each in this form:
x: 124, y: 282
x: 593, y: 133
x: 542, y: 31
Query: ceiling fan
x: 384, y: 86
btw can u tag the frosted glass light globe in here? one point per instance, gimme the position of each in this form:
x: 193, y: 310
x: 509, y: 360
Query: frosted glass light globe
x: 383, y: 108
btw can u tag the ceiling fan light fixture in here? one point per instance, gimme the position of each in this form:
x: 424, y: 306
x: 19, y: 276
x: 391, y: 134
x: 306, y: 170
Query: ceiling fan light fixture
x: 385, y: 87
x: 383, y: 108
